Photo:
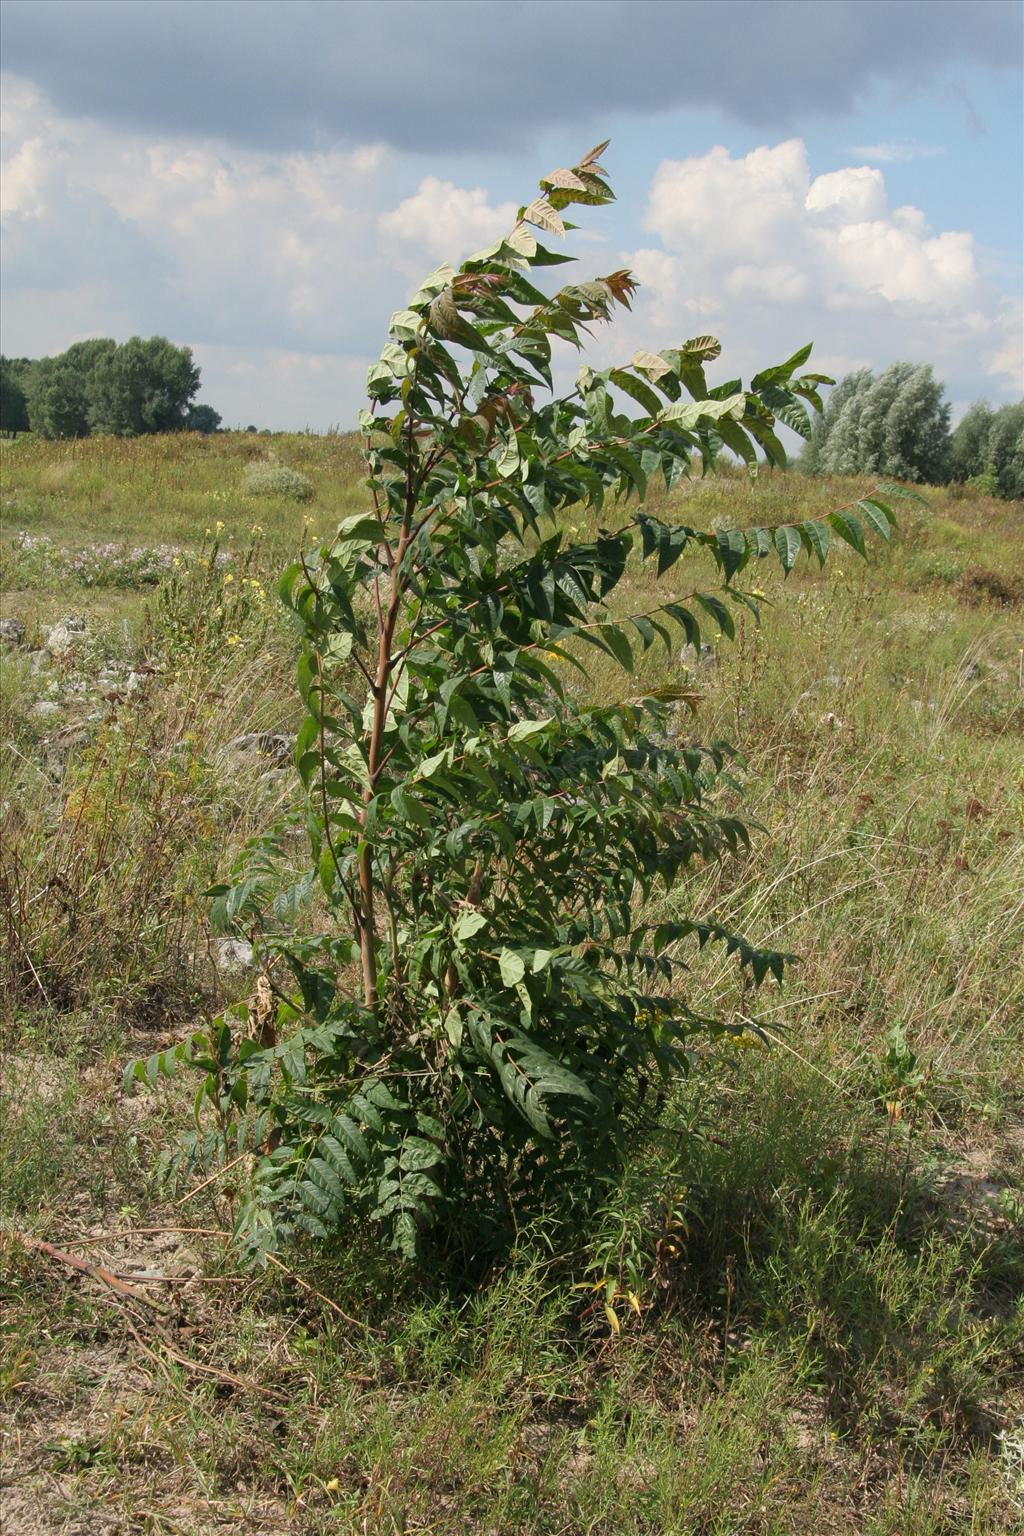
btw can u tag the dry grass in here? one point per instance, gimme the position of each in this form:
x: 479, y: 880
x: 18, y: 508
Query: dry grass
x: 839, y: 1344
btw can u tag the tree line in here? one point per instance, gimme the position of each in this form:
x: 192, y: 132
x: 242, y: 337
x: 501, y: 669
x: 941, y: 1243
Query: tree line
x: 143, y: 385
x: 896, y: 424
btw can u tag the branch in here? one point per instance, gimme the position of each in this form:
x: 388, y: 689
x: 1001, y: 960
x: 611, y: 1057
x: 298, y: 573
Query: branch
x: 94, y: 1271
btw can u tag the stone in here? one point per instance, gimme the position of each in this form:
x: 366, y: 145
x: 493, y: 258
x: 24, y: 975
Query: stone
x: 272, y: 744
x: 63, y: 637
x: 45, y: 708
x: 71, y: 738
x: 233, y: 954
x: 12, y: 632
x: 118, y: 681
x: 708, y: 658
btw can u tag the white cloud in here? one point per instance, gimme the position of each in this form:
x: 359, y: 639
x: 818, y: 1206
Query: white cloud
x: 232, y: 246
x: 764, y: 209
x: 268, y: 248
x: 1008, y: 362
x: 445, y: 221
x: 281, y: 269
x: 779, y: 284
x: 712, y: 207
x: 762, y: 253
x: 274, y: 387
x: 270, y: 266
x: 892, y: 153
x: 24, y: 177
x: 847, y: 197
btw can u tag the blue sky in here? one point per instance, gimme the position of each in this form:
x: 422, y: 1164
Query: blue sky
x: 265, y: 181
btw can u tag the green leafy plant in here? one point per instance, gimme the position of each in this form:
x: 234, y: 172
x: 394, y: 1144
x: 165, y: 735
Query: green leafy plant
x: 211, y: 602
x: 901, y: 1078
x: 484, y: 1011
x: 636, y: 1234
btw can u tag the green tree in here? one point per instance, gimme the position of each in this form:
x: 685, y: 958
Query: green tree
x: 896, y: 424
x: 487, y: 840
x: 969, y: 448
x: 60, y: 387
x: 142, y: 386
x: 56, y: 400
x: 97, y: 386
x: 1006, y: 450
x: 202, y: 418
x: 13, y: 401
x: 834, y: 445
x: 988, y: 446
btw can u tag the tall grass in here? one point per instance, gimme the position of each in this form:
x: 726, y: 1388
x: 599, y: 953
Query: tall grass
x: 824, y: 1236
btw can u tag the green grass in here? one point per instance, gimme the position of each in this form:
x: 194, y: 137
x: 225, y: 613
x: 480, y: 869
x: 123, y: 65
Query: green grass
x: 168, y: 490
x: 836, y: 1343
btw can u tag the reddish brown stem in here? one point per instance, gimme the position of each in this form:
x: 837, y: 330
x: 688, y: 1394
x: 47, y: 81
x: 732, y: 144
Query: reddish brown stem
x: 380, y: 695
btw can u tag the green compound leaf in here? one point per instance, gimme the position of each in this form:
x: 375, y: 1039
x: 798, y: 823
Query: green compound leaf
x: 788, y: 543
x: 457, y: 999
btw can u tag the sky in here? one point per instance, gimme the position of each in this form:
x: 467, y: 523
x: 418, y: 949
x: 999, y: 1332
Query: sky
x: 266, y: 180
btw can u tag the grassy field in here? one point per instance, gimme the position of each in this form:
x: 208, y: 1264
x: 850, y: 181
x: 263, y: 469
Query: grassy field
x: 836, y: 1344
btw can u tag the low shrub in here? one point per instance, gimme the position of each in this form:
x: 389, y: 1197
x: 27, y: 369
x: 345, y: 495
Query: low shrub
x: 987, y: 482
x: 276, y: 480
x: 979, y: 585
x: 927, y: 569
x: 211, y: 602
x: 83, y: 915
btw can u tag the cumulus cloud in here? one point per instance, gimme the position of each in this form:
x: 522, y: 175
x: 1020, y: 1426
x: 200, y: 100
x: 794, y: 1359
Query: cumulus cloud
x: 58, y: 232
x: 452, y: 75
x: 280, y: 269
x: 836, y: 229
x: 202, y: 241
x: 270, y: 266
x: 445, y: 221
x: 268, y: 249
x: 761, y: 252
